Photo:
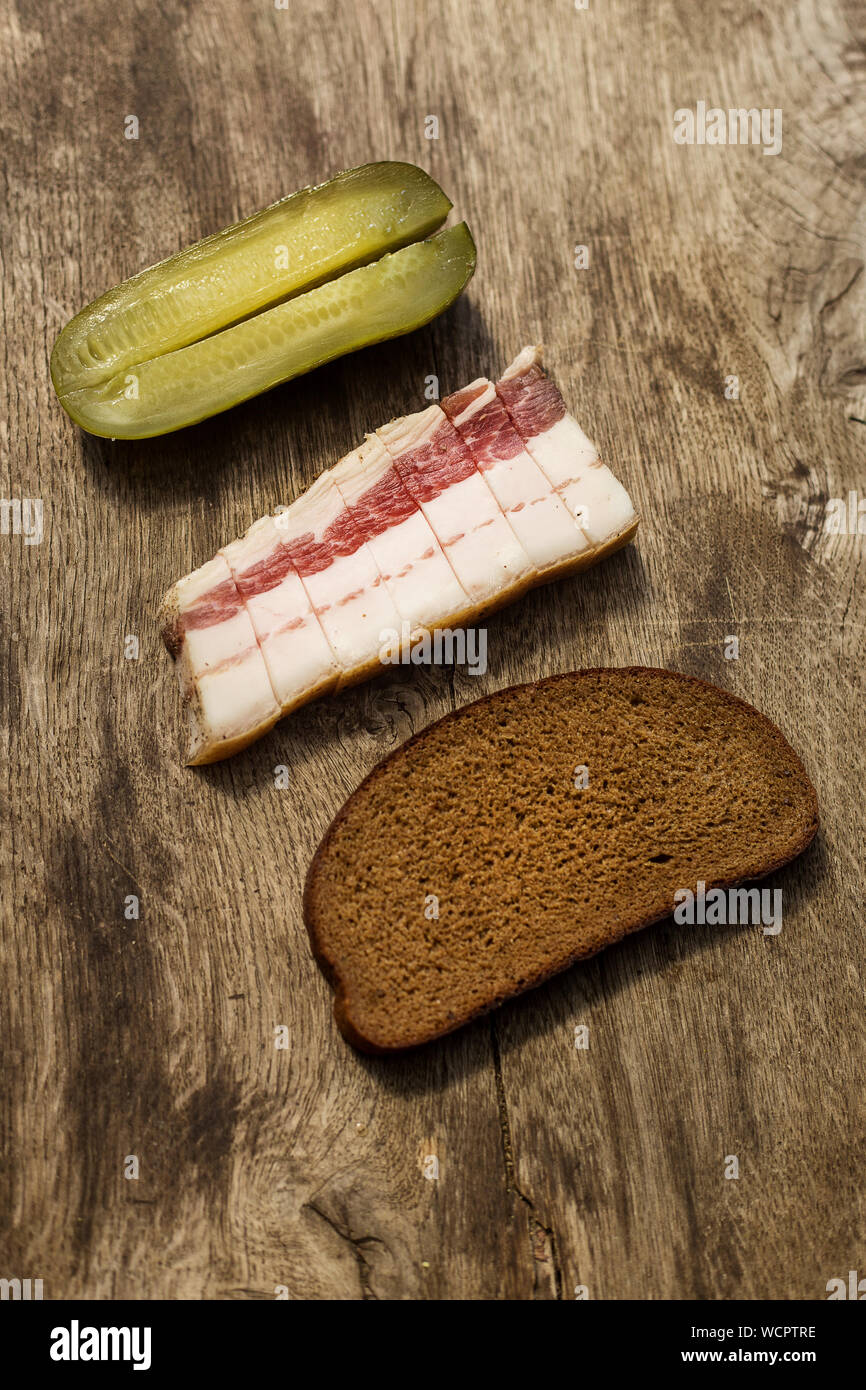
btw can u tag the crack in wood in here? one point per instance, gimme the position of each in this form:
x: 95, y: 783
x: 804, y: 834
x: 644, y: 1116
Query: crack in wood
x: 541, y: 1236
x: 357, y: 1244
x: 259, y: 1295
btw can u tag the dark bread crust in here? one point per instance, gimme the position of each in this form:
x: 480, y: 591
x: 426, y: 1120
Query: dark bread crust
x: 752, y: 870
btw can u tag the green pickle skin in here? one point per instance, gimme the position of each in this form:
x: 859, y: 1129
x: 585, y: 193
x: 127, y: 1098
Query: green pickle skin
x: 341, y: 266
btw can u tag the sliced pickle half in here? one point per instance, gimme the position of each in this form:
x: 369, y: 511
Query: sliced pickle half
x: 293, y: 246
x: 394, y: 295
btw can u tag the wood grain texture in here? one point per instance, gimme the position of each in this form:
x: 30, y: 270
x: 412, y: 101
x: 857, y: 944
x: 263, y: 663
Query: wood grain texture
x: 303, y: 1167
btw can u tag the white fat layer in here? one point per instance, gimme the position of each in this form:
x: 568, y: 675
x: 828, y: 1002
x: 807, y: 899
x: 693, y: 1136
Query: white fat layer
x: 424, y: 587
x: 411, y: 431
x: 348, y: 597
x: 233, y: 701
x: 194, y: 586
x: 222, y: 666
x: 484, y: 552
x: 600, y: 503
x: 354, y: 607
x: 296, y: 652
x: 408, y: 556
x: 481, y: 547
x: 526, y: 358
x: 587, y: 487
x: 361, y: 470
x: 545, y: 528
x: 484, y: 397
x: 209, y: 647
x: 315, y: 510
x: 563, y: 451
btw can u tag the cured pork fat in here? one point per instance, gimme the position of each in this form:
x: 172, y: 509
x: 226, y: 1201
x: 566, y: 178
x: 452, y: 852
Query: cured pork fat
x: 441, y: 475
x: 340, y: 576
x: 543, y: 525
x: 561, y: 449
x: 225, y: 687
x: 297, y: 654
x: 402, y: 542
x: 435, y: 519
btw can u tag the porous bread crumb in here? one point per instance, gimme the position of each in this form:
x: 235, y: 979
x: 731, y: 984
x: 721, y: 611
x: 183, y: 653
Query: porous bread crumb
x: 531, y: 872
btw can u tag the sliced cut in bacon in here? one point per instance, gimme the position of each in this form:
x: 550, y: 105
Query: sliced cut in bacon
x: 435, y: 520
x: 340, y: 576
x: 562, y: 451
x: 440, y: 474
x: 226, y: 690
x: 543, y: 525
x: 300, y: 662
x: 410, y: 559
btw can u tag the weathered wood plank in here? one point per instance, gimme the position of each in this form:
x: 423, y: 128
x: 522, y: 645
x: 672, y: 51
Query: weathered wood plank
x: 305, y: 1167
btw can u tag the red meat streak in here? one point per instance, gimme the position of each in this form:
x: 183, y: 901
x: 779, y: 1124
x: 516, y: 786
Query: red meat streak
x: 418, y: 475
x: 535, y: 405
x: 533, y: 400
x: 489, y: 433
x: 430, y: 469
x: 218, y: 605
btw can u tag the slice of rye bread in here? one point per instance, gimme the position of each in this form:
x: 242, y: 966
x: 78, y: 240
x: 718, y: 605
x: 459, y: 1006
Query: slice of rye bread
x: 469, y: 866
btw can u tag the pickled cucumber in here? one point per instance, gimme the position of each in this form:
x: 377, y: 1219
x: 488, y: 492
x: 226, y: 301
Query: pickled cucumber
x: 296, y: 244
x: 397, y: 293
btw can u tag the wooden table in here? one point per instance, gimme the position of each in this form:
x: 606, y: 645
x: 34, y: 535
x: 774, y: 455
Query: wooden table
x: 303, y: 1168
